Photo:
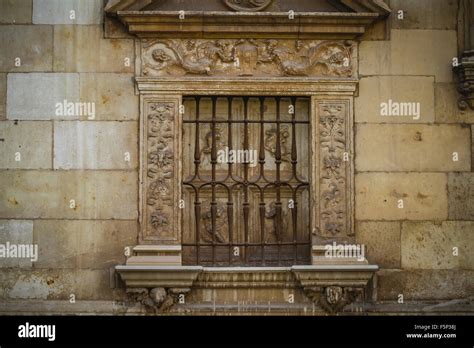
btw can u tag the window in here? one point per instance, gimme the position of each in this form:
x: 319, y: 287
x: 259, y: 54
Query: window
x: 246, y: 179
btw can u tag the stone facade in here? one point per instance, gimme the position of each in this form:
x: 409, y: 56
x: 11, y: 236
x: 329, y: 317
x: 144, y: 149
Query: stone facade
x: 79, y: 185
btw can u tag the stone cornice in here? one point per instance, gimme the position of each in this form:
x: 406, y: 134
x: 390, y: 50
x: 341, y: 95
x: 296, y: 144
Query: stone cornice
x: 231, y: 24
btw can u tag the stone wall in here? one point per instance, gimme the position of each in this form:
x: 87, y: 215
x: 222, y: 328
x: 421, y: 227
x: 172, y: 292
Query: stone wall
x: 70, y: 183
x: 424, y: 163
x: 73, y: 190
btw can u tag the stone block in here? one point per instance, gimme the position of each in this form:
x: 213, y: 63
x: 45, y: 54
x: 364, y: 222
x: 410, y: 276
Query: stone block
x: 15, y: 232
x: 83, y: 244
x: 382, y: 242
x: 424, y: 284
x: 49, y: 194
x: 35, y: 96
x: 420, y: 148
x: 461, y: 196
x: 424, y: 14
x: 114, y: 29
x: 446, y: 105
x: 423, y: 52
x: 67, y: 11
x: 374, y: 58
x: 113, y: 95
x: 15, y: 11
x: 28, y: 46
x: 423, y: 195
x: 55, y: 284
x: 82, y: 49
x: 26, y: 145
x: 376, y: 90
x: 427, y: 245
x: 95, y: 145
x: 3, y: 96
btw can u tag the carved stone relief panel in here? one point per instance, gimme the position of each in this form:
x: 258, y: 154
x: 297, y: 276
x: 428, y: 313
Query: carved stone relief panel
x: 333, y: 177
x: 247, y: 5
x: 248, y: 57
x: 160, y: 170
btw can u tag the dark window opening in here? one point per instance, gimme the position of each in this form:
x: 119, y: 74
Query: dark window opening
x: 246, y: 172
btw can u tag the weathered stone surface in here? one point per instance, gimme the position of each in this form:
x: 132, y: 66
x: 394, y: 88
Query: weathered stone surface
x: 446, y: 105
x: 382, y: 242
x: 59, y: 11
x: 15, y: 11
x: 97, y: 194
x: 34, y: 96
x: 3, y: 96
x: 113, y: 95
x: 16, y: 232
x: 424, y: 14
x: 55, y: 284
x: 95, y: 145
x: 374, y: 64
x: 461, y: 196
x: 83, y: 244
x: 373, y: 91
x: 427, y: 245
x: 82, y: 49
x: 114, y: 29
x: 26, y: 145
x: 377, y: 31
x: 420, y: 148
x: 33, y: 45
x: 423, y: 52
x: 424, y: 284
x: 411, y: 52
x: 424, y: 196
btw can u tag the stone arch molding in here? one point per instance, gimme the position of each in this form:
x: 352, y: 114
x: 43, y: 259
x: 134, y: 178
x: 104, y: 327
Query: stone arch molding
x: 245, y: 53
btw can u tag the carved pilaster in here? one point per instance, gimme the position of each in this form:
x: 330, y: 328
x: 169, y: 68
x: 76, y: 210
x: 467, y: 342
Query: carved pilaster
x: 333, y: 169
x: 160, y: 177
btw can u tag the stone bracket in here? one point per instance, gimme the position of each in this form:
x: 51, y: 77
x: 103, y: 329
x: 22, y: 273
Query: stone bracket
x: 333, y: 287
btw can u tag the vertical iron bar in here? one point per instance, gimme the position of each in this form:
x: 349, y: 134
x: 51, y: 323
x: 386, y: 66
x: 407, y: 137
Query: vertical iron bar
x: 213, y: 179
x: 197, y: 162
x: 230, y: 204
x: 246, y: 204
x: 294, y: 162
x: 261, y: 160
x: 277, y: 181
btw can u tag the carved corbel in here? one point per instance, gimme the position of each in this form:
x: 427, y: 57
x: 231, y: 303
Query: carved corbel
x: 465, y: 72
x: 333, y: 299
x: 157, y: 300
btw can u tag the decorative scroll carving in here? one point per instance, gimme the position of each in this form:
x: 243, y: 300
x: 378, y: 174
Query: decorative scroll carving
x: 248, y: 5
x: 160, y: 170
x: 333, y: 299
x: 333, y: 179
x: 247, y: 57
x: 157, y: 300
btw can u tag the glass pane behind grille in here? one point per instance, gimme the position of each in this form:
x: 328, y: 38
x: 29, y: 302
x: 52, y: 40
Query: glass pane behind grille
x: 246, y: 181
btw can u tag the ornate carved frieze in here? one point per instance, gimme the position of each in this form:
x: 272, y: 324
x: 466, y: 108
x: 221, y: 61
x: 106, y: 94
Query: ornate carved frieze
x: 247, y: 5
x: 160, y: 158
x: 334, y: 179
x: 248, y: 57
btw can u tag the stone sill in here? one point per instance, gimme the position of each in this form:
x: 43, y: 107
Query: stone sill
x: 330, y: 286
